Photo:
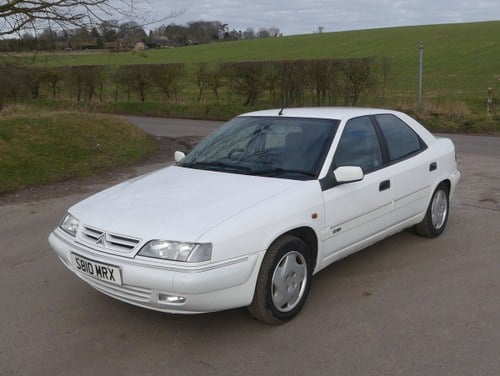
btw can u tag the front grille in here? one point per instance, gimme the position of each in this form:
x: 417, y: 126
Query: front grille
x: 108, y: 240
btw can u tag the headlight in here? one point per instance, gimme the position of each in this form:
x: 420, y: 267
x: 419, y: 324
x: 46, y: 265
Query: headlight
x: 177, y: 251
x: 69, y: 224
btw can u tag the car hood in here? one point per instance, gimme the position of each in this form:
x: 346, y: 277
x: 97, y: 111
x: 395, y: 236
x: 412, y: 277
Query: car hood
x: 175, y: 203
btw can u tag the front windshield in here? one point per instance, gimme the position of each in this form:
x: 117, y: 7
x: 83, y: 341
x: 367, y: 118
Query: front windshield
x: 292, y: 148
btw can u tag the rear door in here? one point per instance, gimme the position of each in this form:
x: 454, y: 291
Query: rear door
x: 410, y: 168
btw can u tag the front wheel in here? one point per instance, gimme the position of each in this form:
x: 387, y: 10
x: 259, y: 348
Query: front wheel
x: 436, y: 217
x: 283, y: 282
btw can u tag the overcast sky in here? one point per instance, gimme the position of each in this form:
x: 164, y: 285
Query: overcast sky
x: 304, y: 16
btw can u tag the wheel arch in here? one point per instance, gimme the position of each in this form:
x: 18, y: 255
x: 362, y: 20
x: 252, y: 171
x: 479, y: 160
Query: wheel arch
x: 309, y: 237
x: 442, y: 181
x: 447, y: 184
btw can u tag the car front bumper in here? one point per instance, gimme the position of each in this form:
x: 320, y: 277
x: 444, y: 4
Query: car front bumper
x: 208, y: 288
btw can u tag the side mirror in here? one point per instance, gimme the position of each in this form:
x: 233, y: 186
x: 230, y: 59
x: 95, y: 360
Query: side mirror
x: 348, y: 174
x: 179, y: 156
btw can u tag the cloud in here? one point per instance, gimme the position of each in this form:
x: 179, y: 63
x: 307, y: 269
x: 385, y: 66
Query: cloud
x: 304, y: 16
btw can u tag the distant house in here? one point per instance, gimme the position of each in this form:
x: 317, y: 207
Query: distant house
x: 139, y: 46
x: 115, y: 46
x: 161, y: 41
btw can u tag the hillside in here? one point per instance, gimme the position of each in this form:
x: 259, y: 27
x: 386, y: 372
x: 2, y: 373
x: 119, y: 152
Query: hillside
x: 460, y: 60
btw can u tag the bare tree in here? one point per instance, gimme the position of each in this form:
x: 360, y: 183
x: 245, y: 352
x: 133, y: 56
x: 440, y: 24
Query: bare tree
x: 249, y: 33
x: 246, y: 79
x: 19, y: 15
x: 266, y: 32
x: 274, y: 31
x: 215, y: 75
x: 358, y: 77
x: 201, y: 74
x: 263, y: 33
x: 167, y: 77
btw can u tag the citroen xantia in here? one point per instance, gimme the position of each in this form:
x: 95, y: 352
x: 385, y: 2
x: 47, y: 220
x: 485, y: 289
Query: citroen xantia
x: 251, y: 213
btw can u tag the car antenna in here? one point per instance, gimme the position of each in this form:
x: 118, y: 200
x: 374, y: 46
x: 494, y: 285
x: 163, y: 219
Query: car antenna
x: 281, y: 111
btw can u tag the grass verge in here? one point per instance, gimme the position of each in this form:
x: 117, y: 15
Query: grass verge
x: 195, y: 111
x: 38, y: 147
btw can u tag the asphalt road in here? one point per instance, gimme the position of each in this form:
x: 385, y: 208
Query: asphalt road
x: 405, y: 306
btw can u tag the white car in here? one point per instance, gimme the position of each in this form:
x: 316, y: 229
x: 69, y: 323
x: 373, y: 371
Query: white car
x: 251, y: 213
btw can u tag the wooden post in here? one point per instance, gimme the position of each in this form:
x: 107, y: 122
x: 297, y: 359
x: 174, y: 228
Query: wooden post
x: 489, y: 101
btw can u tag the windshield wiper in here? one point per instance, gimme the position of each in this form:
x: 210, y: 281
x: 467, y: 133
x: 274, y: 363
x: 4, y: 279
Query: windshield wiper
x: 279, y: 171
x: 214, y: 165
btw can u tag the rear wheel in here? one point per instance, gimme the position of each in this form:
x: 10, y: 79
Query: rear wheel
x: 283, y: 282
x: 436, y: 217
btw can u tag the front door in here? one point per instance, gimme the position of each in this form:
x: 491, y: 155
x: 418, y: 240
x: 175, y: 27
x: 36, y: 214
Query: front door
x: 355, y: 212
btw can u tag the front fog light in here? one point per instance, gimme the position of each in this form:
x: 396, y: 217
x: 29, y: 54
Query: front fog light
x: 69, y: 224
x: 177, y: 251
x: 171, y: 299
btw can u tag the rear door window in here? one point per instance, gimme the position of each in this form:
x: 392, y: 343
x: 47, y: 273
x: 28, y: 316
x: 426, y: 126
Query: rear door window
x: 401, y: 140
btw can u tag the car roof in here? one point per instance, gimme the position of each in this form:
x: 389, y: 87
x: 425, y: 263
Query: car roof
x: 338, y: 113
x: 344, y: 114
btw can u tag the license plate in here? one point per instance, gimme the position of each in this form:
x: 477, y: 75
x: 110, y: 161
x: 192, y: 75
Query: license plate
x: 99, y: 270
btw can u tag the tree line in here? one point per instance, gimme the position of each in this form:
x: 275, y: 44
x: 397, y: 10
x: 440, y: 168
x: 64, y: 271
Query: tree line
x: 121, y: 36
x: 278, y: 83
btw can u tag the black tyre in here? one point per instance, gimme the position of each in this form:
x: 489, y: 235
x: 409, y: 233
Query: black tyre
x: 283, y: 282
x: 436, y: 217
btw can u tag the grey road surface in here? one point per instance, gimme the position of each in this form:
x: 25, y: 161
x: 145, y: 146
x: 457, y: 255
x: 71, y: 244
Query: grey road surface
x: 405, y: 306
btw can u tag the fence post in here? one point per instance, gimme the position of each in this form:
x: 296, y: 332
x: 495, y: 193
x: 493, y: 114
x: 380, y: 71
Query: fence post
x: 420, y: 75
x: 489, y: 101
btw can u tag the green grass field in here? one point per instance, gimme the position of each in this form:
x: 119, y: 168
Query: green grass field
x: 460, y: 60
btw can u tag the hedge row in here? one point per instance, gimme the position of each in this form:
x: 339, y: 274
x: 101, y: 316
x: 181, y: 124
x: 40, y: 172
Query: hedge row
x: 292, y: 82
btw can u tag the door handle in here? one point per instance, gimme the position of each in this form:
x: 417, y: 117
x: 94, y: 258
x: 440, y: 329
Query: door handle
x: 386, y: 184
x: 433, y: 166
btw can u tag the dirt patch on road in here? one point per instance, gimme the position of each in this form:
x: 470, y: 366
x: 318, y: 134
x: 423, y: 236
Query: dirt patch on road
x: 164, y: 157
x: 479, y: 185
